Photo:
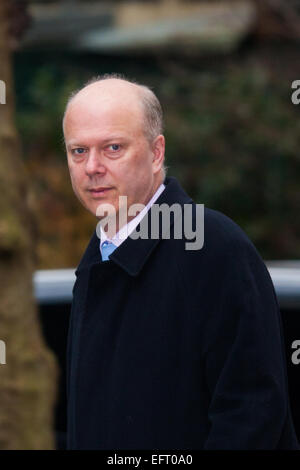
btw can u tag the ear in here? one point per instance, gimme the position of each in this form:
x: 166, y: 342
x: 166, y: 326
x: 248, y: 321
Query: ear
x: 158, y: 149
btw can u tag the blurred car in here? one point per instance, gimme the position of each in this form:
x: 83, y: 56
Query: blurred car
x: 53, y: 292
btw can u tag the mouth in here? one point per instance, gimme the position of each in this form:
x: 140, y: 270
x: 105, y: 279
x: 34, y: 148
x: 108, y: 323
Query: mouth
x: 99, y: 191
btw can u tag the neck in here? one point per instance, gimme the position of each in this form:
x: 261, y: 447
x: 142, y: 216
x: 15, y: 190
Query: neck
x: 112, y: 229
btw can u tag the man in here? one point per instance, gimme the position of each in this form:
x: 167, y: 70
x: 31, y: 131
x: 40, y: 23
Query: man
x: 169, y: 347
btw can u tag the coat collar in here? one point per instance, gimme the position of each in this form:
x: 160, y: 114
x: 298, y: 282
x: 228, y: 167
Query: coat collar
x: 132, y: 254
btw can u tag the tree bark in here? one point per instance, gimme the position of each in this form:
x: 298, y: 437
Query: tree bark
x: 28, y: 379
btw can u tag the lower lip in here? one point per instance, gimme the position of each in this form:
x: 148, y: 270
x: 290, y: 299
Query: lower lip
x: 100, y: 193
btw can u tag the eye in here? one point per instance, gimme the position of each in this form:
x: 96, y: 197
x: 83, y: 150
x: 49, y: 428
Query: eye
x: 114, y: 147
x: 78, y: 151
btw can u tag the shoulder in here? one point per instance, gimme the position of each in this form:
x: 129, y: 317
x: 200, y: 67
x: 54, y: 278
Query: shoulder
x: 227, y: 266
x: 226, y: 247
x: 219, y: 232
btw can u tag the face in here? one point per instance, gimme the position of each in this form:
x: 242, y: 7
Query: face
x: 108, y: 153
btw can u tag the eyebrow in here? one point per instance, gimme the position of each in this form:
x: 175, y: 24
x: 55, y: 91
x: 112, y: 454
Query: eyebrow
x: 76, y: 143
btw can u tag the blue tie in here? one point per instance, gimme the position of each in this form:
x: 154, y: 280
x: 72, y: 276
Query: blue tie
x: 107, y: 249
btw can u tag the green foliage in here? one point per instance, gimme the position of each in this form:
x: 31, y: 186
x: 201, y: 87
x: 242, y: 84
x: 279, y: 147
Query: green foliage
x: 233, y: 141
x: 39, y: 118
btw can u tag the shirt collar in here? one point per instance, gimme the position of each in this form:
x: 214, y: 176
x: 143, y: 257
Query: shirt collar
x: 133, y: 254
x: 127, y: 229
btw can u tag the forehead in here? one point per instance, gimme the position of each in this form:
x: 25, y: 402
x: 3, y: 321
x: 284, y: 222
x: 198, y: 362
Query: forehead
x: 104, y: 113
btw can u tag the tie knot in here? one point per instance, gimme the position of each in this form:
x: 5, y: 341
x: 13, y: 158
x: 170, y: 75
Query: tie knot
x: 107, y: 249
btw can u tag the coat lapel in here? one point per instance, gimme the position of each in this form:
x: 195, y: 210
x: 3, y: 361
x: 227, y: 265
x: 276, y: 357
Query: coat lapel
x: 132, y: 254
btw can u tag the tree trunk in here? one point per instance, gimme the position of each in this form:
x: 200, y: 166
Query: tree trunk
x: 28, y: 379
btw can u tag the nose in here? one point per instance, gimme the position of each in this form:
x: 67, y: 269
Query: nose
x: 94, y: 164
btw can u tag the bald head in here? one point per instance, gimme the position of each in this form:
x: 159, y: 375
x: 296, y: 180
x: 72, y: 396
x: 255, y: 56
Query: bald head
x: 110, y: 90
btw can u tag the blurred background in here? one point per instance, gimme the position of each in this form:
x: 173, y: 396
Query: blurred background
x: 223, y: 72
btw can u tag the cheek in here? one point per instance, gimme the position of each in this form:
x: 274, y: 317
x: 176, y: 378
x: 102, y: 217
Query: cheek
x: 75, y: 177
x: 141, y: 164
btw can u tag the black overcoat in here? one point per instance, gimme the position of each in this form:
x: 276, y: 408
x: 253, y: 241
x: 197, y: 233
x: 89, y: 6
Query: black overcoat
x: 171, y: 348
